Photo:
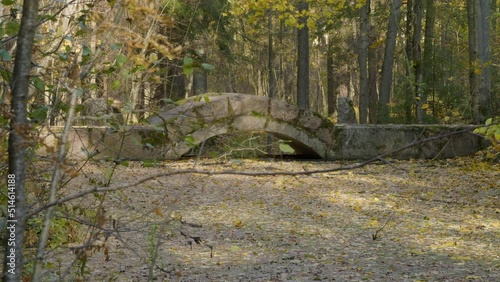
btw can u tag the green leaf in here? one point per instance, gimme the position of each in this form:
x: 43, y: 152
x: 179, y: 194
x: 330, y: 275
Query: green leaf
x: 488, y: 121
x: 79, y: 108
x: 39, y: 115
x: 190, y: 140
x: 8, y: 2
x: 188, y: 61
x: 5, y: 74
x: 115, y: 84
x: 187, y: 70
x: 206, y: 99
x: 39, y: 84
x: 187, y: 66
x: 5, y: 55
x: 207, y: 67
x: 121, y: 59
x: 12, y: 28
x: 86, y: 51
x: 285, y: 148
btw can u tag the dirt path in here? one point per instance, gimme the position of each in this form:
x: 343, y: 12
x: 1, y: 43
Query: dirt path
x: 409, y: 221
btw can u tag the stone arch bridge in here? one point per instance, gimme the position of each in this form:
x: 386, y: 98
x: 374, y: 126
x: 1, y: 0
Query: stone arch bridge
x: 202, y: 117
x: 173, y: 132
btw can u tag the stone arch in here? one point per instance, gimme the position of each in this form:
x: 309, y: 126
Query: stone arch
x: 205, y: 116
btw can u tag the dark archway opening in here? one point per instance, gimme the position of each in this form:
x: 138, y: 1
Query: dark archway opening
x: 251, y: 145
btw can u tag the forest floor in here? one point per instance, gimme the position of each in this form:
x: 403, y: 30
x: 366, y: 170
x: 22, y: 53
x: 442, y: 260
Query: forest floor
x: 398, y: 221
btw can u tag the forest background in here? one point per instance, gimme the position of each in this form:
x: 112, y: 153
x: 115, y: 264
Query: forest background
x: 398, y: 62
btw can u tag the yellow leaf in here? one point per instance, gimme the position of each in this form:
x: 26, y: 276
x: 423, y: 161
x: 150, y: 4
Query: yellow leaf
x: 357, y: 207
x: 159, y: 212
x: 238, y: 223
x: 425, y: 106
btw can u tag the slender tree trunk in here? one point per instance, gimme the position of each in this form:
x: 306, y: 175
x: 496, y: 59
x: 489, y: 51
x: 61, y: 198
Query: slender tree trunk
x: 363, y: 63
x: 417, y: 59
x: 271, y: 77
x: 303, y: 59
x: 16, y: 218
x: 372, y: 78
x: 428, y: 62
x: 387, y: 65
x: 410, y: 79
x: 331, y: 88
x: 473, y: 58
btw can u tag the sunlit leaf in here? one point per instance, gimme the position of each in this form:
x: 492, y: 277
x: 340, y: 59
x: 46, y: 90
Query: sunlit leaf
x: 115, y: 84
x: 287, y: 149
x: 206, y: 99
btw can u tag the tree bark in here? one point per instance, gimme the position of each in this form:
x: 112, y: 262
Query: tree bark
x: 331, y: 88
x: 483, y: 31
x: 417, y: 60
x: 478, y: 15
x: 303, y: 59
x: 19, y: 131
x: 427, y: 61
x: 387, y: 65
x: 363, y: 62
x: 372, y: 78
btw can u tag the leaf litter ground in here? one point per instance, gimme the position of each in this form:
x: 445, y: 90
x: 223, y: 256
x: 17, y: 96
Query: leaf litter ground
x: 404, y: 221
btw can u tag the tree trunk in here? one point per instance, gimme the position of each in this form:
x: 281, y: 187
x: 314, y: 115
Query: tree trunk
x: 387, y: 65
x: 303, y: 59
x: 428, y: 62
x: 473, y: 58
x: 271, y: 76
x: 200, y: 82
x: 478, y: 14
x: 417, y: 59
x: 332, y: 85
x: 372, y: 77
x: 483, y: 31
x: 16, y: 219
x: 363, y: 65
